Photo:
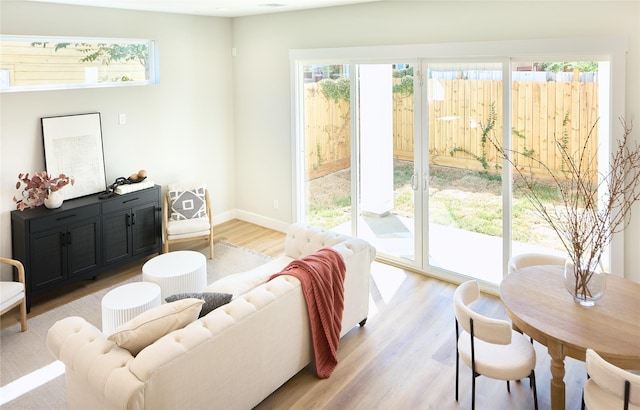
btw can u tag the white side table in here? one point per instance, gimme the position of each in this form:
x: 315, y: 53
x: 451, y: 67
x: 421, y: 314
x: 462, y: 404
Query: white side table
x: 177, y: 272
x: 125, y: 302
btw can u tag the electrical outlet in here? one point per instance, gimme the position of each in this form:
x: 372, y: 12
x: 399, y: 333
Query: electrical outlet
x: 122, y: 119
x: 275, y: 204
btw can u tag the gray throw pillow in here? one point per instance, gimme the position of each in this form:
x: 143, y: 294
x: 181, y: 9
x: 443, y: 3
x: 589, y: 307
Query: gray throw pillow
x: 188, y: 204
x: 212, y: 300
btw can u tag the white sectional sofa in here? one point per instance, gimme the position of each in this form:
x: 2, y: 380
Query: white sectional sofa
x: 233, y: 357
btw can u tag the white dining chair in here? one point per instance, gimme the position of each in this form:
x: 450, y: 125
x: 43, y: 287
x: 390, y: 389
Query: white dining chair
x: 608, y: 386
x: 490, y: 347
x: 524, y: 260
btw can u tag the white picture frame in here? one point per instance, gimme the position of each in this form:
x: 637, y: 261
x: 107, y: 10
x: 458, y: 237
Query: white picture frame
x: 73, y: 146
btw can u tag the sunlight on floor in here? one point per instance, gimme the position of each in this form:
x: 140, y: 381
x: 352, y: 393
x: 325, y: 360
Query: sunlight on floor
x: 387, y: 279
x: 31, y: 381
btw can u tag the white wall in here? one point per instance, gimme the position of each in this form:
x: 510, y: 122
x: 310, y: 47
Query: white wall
x: 179, y: 130
x: 262, y: 79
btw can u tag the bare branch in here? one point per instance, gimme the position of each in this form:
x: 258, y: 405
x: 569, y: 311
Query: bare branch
x: 593, y: 205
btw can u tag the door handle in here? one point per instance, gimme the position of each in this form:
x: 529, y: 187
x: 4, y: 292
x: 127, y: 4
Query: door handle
x: 414, y: 182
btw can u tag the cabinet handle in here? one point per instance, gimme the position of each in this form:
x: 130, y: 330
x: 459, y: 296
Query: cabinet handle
x: 68, y: 238
x: 128, y: 219
x: 133, y: 219
x: 65, y: 217
x: 130, y: 200
x: 63, y: 239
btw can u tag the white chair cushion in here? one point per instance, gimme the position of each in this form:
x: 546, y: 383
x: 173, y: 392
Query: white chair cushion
x: 189, y: 227
x: 503, y: 362
x: 10, y: 293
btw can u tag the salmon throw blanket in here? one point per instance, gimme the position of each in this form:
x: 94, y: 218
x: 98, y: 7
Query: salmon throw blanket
x: 322, y: 277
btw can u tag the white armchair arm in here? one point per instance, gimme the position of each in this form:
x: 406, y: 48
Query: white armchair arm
x: 98, y: 366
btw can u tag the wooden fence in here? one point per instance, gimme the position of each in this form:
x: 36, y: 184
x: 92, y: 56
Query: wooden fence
x: 459, y: 109
x: 29, y: 65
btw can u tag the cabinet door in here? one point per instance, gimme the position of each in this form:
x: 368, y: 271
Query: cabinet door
x: 145, y: 225
x: 116, y: 236
x: 48, y: 261
x: 83, y: 247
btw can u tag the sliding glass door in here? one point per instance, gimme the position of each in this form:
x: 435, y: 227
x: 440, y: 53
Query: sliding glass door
x: 465, y: 205
x: 402, y: 152
x: 370, y: 194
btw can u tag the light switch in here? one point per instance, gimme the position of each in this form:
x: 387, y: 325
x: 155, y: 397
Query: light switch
x: 122, y: 119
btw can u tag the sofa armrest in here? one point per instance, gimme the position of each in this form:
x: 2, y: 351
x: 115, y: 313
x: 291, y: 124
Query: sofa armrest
x: 303, y: 240
x: 96, y: 368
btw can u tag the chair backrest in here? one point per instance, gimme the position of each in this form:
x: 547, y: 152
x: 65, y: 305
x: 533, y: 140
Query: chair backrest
x: 612, y: 378
x: 485, y: 328
x: 531, y: 259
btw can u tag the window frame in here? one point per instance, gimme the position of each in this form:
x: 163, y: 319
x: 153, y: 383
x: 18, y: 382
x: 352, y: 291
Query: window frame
x: 152, y: 63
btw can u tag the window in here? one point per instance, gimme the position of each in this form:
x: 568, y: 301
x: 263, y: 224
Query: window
x: 52, y: 63
x: 454, y: 212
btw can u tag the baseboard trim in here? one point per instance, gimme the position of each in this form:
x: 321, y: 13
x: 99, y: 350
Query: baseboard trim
x: 256, y: 219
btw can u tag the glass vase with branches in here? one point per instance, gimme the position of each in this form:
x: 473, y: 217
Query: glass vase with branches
x: 593, y: 204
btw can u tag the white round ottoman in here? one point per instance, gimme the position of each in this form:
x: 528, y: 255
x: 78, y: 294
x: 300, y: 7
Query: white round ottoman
x: 177, y: 272
x: 125, y: 302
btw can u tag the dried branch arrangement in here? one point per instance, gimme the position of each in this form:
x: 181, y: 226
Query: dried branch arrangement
x: 37, y: 188
x: 593, y: 205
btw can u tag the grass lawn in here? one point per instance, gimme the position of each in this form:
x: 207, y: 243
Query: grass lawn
x: 459, y: 198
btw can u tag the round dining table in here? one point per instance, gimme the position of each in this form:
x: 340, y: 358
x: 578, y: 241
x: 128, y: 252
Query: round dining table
x: 539, y: 305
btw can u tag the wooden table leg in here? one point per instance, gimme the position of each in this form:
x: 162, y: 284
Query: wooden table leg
x: 557, y: 375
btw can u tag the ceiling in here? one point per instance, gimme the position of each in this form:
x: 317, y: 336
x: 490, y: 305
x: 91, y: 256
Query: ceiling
x: 219, y: 8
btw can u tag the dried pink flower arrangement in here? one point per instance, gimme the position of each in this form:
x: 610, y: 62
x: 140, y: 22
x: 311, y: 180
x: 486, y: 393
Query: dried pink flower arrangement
x: 37, y: 188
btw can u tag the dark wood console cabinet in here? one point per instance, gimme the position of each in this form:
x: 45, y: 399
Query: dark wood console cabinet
x: 84, y: 237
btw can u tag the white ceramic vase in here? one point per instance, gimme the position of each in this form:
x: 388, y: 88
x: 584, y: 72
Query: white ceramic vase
x: 54, y: 200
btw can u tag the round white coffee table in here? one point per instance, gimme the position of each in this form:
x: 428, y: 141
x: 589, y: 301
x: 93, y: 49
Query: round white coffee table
x: 125, y: 302
x: 177, y: 272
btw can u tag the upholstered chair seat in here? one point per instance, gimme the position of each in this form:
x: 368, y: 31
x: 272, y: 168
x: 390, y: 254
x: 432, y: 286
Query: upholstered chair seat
x: 12, y: 293
x: 502, y: 362
x: 188, y: 228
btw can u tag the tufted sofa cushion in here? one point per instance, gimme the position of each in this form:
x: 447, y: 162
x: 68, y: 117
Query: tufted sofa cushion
x: 302, y: 240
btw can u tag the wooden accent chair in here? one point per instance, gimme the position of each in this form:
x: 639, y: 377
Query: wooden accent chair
x: 180, y: 226
x: 608, y: 386
x: 489, y: 346
x: 12, y: 293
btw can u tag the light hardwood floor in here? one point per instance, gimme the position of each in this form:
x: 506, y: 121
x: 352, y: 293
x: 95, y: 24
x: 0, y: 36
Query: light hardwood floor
x: 403, y: 358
